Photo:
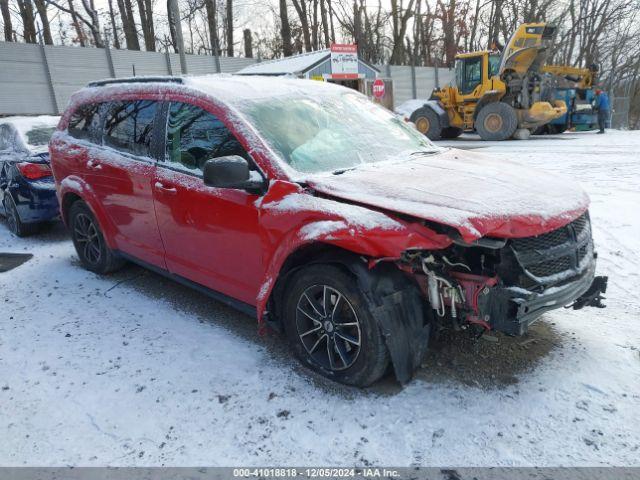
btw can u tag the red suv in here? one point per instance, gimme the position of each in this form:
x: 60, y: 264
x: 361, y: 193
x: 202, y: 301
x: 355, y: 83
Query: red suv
x: 311, y: 208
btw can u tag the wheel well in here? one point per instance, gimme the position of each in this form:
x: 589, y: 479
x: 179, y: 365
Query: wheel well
x: 302, y: 257
x: 68, y: 200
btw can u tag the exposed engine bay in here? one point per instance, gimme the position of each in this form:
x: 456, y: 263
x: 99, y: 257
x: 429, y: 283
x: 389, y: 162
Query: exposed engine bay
x: 506, y: 285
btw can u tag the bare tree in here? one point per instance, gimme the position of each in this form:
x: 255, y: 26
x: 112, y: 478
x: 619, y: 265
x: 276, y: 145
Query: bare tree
x: 285, y: 29
x: 248, y: 43
x: 145, y: 10
x: 229, y: 28
x: 114, y: 28
x: 128, y: 25
x: 6, y: 19
x: 28, y: 25
x: 91, y: 18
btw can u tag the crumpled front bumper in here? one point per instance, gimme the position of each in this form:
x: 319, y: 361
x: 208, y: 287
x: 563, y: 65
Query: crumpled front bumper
x: 512, y: 310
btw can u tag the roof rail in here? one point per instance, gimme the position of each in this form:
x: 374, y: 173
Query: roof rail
x: 116, y: 81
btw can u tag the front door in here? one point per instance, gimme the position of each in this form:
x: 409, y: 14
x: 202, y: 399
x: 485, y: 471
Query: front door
x: 122, y: 172
x: 210, y: 234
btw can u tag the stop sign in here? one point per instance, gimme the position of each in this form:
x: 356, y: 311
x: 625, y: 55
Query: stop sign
x: 378, y: 88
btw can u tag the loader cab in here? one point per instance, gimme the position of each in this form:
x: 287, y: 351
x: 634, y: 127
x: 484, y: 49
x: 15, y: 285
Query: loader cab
x: 472, y: 70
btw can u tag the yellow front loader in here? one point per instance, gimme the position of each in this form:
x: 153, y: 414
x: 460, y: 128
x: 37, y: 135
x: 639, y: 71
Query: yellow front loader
x: 496, y: 94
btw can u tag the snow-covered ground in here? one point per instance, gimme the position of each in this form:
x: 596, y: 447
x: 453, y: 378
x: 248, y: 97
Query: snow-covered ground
x: 132, y: 369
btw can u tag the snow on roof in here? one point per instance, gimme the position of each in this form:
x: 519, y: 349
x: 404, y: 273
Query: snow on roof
x: 282, y: 66
x: 232, y: 89
x: 237, y: 88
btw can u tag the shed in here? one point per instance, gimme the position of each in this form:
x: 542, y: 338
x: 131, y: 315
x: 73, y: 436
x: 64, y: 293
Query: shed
x: 316, y: 66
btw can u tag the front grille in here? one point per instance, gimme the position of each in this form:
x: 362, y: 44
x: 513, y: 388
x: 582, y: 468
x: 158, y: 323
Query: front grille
x: 558, y: 254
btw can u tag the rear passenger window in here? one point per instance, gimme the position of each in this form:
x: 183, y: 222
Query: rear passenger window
x: 128, y: 126
x: 83, y: 119
x: 195, y: 136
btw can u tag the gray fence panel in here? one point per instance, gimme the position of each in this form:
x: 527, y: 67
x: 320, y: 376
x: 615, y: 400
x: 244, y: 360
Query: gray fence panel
x: 128, y: 62
x: 72, y: 68
x: 24, y: 86
x: 24, y: 82
x: 232, y: 65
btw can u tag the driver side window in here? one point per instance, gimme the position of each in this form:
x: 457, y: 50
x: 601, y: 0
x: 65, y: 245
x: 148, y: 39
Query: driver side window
x: 195, y: 136
x: 472, y: 74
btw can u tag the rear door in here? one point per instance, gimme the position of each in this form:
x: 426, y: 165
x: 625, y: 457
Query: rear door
x: 210, y: 234
x: 121, y: 172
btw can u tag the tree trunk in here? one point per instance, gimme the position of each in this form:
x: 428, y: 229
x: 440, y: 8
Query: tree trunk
x: 112, y: 16
x: 285, y: 29
x: 325, y: 24
x: 172, y: 27
x: 146, y: 22
x: 77, y: 25
x: 6, y: 19
x: 301, y: 8
x: 46, y: 28
x: 212, y: 22
x: 130, y: 34
x: 229, y: 28
x: 248, y: 43
x: 26, y: 12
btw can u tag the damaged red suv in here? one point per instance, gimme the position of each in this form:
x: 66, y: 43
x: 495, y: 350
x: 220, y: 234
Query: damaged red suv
x: 318, y: 212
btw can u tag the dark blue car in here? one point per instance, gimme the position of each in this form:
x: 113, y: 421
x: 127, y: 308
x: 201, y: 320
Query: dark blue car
x: 27, y: 189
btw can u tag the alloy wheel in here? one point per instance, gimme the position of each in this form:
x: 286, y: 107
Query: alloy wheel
x: 12, y: 220
x: 328, y: 327
x: 88, y: 238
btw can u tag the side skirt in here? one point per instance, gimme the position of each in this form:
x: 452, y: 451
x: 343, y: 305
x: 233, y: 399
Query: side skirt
x: 220, y: 297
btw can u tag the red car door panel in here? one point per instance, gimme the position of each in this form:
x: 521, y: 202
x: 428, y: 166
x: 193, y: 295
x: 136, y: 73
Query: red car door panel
x: 210, y: 235
x: 122, y: 175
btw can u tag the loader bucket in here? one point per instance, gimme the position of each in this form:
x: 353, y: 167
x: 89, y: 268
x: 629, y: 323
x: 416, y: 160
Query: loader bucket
x: 541, y: 113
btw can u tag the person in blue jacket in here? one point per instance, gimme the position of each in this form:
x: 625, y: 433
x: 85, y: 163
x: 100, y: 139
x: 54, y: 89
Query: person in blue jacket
x: 603, y: 107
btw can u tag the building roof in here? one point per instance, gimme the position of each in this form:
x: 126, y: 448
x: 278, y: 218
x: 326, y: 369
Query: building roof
x: 293, y: 65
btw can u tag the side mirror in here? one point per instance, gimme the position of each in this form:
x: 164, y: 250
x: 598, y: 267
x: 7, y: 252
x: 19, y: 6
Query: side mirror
x: 231, y: 172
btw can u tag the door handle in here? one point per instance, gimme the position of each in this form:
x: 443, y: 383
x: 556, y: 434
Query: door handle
x: 93, y: 165
x: 165, y: 189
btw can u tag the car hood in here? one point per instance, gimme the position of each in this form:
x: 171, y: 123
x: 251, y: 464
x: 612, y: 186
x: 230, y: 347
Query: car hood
x: 472, y: 192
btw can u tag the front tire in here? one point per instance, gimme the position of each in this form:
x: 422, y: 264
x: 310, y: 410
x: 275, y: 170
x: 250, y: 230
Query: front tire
x: 427, y: 123
x: 330, y: 328
x: 496, y: 121
x: 89, y: 241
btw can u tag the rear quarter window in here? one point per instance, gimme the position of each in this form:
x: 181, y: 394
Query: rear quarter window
x: 128, y: 126
x: 84, y: 121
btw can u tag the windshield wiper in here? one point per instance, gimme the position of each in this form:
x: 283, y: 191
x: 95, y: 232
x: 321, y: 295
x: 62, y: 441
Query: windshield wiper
x: 340, y: 171
x: 423, y: 153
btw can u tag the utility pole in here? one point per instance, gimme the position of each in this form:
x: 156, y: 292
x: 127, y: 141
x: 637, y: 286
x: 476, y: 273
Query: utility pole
x: 175, y: 18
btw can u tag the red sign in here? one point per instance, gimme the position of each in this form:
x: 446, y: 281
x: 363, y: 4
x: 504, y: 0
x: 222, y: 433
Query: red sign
x: 378, y: 88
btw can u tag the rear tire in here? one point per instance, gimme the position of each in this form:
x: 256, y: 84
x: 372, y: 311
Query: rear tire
x: 427, y: 123
x: 496, y: 121
x: 89, y: 241
x: 330, y: 328
x: 16, y: 226
x: 451, y: 132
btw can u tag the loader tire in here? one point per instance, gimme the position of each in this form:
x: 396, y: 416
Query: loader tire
x: 496, y: 121
x: 451, y: 132
x: 427, y: 123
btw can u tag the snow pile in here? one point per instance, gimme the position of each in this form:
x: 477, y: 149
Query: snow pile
x: 407, y: 108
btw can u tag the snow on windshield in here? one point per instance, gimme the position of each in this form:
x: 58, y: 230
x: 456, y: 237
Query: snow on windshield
x: 322, y: 133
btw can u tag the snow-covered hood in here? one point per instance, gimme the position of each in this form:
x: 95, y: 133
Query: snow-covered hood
x: 473, y: 192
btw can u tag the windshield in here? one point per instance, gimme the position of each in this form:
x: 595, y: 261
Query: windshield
x: 329, y: 133
x: 37, y: 137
